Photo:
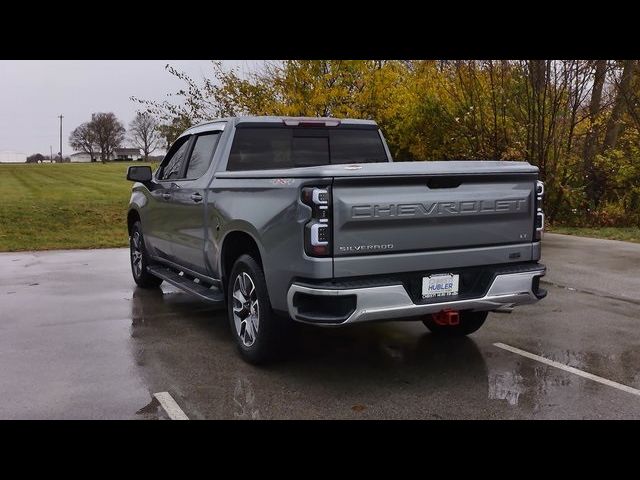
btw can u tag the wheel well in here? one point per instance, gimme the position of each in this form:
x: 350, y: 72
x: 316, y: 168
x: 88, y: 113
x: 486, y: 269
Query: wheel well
x: 236, y: 244
x: 132, y: 217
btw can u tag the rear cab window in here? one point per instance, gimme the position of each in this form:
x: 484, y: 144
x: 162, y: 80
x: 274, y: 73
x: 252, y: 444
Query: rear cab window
x: 273, y: 147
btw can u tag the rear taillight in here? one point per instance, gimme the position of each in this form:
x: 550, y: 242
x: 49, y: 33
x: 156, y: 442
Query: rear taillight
x: 539, y: 221
x: 317, y: 231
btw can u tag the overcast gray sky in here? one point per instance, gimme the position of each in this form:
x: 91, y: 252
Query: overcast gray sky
x: 34, y: 92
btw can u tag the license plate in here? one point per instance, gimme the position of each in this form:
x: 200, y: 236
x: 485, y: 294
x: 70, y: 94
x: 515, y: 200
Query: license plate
x: 441, y: 285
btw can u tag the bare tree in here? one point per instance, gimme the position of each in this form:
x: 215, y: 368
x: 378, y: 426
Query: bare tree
x: 108, y: 131
x: 83, y: 139
x: 145, y: 133
x: 622, y: 95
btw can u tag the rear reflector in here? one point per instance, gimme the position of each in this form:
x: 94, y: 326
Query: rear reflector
x: 292, y: 122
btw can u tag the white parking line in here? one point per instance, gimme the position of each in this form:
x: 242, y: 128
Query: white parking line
x: 170, y: 406
x: 567, y: 368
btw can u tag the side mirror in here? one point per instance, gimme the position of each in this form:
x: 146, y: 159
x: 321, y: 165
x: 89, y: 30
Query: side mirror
x: 140, y: 173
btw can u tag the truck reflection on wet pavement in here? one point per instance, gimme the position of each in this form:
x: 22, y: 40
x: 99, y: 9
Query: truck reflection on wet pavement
x: 364, y: 371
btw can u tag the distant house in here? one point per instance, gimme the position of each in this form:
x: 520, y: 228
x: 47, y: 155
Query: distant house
x: 126, y: 154
x: 83, y: 157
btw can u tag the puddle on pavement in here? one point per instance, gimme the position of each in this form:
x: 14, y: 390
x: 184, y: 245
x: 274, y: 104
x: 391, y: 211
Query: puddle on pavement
x: 244, y: 399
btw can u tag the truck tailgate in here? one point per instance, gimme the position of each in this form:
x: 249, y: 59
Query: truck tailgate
x: 374, y: 215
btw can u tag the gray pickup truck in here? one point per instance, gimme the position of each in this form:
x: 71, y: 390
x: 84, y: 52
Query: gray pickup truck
x: 310, y: 219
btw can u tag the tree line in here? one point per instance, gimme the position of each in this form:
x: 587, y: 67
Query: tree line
x: 577, y: 120
x: 100, y: 136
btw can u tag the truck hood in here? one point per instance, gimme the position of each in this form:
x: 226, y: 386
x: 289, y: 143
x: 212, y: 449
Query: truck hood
x: 452, y: 167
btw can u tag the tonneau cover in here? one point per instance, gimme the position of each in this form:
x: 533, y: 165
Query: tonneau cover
x: 452, y: 167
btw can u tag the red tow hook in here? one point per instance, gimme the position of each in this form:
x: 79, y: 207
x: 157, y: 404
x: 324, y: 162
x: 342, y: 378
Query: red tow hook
x: 446, y: 317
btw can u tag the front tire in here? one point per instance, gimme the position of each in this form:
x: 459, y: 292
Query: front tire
x: 254, y: 326
x: 140, y: 259
x: 469, y: 323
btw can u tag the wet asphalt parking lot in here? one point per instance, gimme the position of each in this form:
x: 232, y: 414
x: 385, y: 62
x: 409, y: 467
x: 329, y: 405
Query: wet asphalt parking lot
x: 79, y: 340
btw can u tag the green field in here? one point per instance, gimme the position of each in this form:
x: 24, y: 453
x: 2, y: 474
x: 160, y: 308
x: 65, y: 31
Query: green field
x: 48, y: 206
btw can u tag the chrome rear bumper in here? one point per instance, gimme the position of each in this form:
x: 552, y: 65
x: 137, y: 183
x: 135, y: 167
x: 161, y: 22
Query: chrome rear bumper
x: 392, y: 301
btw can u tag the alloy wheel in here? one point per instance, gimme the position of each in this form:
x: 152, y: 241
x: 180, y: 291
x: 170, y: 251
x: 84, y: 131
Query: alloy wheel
x: 246, y: 310
x: 136, y: 254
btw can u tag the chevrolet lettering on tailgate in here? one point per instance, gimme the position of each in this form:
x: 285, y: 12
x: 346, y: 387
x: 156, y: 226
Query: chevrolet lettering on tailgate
x: 467, y: 207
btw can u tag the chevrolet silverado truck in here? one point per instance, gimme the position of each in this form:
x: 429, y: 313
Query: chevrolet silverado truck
x: 310, y: 220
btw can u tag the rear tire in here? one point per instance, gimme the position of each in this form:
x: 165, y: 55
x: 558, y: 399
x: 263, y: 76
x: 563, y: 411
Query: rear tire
x: 257, y: 331
x: 140, y: 259
x: 469, y: 323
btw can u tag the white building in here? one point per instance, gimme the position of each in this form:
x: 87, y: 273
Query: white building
x: 82, y: 157
x: 125, y: 154
x: 12, y: 157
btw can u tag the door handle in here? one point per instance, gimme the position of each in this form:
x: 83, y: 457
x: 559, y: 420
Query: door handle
x: 196, y: 197
x: 166, y: 196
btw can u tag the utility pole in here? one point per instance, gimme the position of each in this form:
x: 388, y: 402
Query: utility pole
x: 60, y: 117
x: 50, y: 153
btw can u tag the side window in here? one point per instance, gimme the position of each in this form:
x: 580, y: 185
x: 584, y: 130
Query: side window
x: 174, y: 160
x: 202, y: 154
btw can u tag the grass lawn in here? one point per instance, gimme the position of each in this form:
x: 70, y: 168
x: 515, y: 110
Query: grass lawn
x: 628, y: 234
x: 48, y: 206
